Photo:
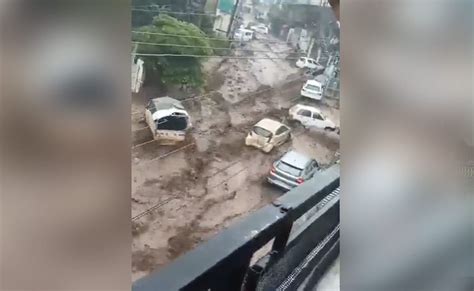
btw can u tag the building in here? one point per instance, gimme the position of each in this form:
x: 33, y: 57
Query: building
x: 223, y: 21
x: 138, y: 75
x: 324, y: 3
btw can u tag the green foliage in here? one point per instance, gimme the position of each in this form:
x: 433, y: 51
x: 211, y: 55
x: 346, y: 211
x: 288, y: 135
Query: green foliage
x: 206, y: 23
x: 294, y: 16
x: 173, y: 69
x: 145, y: 10
x: 220, y: 43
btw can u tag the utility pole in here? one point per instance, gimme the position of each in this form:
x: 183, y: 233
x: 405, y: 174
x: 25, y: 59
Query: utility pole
x: 134, y: 53
x: 310, y: 48
x: 232, y: 19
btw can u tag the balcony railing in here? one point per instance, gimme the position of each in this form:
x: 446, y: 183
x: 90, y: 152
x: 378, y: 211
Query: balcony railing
x: 304, y: 227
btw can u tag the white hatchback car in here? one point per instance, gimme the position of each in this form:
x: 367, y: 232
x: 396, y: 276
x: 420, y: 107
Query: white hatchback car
x: 311, y: 117
x: 267, y: 134
x: 167, y: 119
x: 308, y: 63
x: 312, y: 89
x: 260, y: 28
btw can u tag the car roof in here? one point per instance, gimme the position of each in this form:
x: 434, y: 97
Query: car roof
x: 310, y: 108
x: 269, y: 124
x: 166, y: 106
x: 313, y: 82
x: 296, y: 159
x: 163, y: 103
x: 245, y: 30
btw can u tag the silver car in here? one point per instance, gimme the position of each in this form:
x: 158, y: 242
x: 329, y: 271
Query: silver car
x: 292, y: 169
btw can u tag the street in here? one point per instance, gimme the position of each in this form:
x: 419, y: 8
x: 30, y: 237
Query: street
x: 184, y: 194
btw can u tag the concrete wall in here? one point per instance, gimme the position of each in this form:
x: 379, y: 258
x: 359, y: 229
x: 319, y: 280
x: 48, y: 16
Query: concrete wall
x: 222, y: 22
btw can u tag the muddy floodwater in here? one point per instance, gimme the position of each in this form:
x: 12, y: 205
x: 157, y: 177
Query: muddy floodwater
x: 184, y: 198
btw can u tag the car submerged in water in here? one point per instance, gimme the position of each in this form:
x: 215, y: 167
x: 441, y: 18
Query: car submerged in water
x: 312, y: 89
x: 311, y: 117
x: 167, y: 119
x: 291, y: 170
x: 267, y: 134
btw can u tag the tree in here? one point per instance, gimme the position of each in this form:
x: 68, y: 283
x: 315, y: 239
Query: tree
x: 145, y: 10
x: 174, y: 69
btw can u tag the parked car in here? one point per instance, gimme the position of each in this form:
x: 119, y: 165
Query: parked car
x: 267, y: 134
x: 312, y: 89
x: 291, y: 170
x: 311, y: 117
x: 243, y: 35
x: 167, y: 120
x: 308, y: 63
x: 260, y: 28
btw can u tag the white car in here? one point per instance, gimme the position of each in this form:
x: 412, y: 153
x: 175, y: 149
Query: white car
x: 312, y: 89
x: 311, y: 117
x: 243, y: 35
x: 308, y: 63
x: 267, y: 134
x: 261, y: 28
x: 167, y: 120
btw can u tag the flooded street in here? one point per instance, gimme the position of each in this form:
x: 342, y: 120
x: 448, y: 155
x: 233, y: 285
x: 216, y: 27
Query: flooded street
x: 184, y: 194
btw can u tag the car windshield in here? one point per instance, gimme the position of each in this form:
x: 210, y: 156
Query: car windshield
x: 172, y: 122
x: 261, y: 131
x: 287, y: 168
x: 313, y: 88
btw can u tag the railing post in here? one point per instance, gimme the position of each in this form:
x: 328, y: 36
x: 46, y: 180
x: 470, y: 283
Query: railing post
x: 237, y: 277
x: 251, y: 280
x: 281, y: 239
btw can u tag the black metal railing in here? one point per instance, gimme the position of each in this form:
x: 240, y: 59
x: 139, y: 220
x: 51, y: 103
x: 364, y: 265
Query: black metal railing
x: 224, y: 262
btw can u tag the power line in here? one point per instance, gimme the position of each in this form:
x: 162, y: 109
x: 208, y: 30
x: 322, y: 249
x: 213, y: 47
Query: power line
x: 179, y: 35
x: 143, y: 143
x: 140, y: 129
x: 248, y: 96
x: 172, y: 152
x: 174, y: 12
x: 214, y: 56
x: 178, y: 45
x: 162, y: 203
x: 214, y: 48
x: 154, y: 207
x: 166, y: 201
x: 202, y: 96
x: 201, y: 37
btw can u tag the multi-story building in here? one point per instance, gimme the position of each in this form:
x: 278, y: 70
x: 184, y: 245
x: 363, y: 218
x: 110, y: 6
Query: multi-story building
x: 223, y: 20
x: 324, y: 3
